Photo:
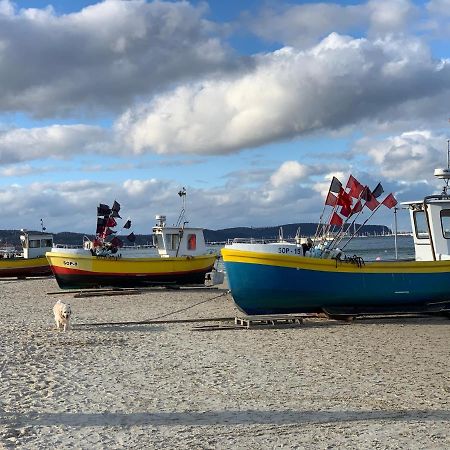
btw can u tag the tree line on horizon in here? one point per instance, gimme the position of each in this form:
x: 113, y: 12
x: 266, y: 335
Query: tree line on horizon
x: 12, y: 237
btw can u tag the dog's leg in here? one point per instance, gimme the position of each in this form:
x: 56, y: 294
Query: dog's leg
x: 57, y: 323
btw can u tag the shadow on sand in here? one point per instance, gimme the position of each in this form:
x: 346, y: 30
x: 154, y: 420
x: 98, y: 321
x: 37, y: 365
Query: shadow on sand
x: 232, y: 417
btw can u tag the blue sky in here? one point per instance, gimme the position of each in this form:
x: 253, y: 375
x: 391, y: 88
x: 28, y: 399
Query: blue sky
x: 252, y: 106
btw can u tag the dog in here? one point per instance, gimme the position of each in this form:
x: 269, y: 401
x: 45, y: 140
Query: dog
x: 62, y: 314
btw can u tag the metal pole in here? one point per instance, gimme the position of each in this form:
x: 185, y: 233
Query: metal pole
x: 448, y: 153
x: 395, y: 232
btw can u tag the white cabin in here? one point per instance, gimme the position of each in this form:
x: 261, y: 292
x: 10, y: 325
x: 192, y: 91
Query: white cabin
x: 430, y: 221
x: 35, y: 243
x: 176, y: 240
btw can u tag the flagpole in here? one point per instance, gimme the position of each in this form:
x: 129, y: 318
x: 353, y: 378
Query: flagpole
x: 395, y: 232
x: 334, y: 184
x: 378, y: 187
x: 355, y: 231
x: 341, y: 235
x: 320, y: 223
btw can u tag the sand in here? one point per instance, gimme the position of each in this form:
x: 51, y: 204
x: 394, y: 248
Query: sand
x: 324, y: 384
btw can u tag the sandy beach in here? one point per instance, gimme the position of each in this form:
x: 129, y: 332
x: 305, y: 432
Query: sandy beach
x: 381, y: 384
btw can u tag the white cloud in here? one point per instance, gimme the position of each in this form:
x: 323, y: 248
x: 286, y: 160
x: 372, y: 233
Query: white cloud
x: 17, y: 170
x: 409, y: 157
x: 289, y: 172
x: 387, y: 16
x: 303, y: 25
x: 340, y: 82
x: 59, y: 141
x: 102, y: 57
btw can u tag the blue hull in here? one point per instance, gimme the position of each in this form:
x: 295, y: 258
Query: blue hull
x: 271, y: 289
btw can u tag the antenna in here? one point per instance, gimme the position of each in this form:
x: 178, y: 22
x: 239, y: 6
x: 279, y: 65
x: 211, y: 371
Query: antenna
x: 42, y: 226
x: 182, y: 195
x: 444, y: 174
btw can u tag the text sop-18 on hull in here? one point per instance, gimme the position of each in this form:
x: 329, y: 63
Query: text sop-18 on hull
x: 93, y: 272
x: 272, y: 284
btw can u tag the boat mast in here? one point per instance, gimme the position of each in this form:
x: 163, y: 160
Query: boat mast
x: 182, y: 195
x: 395, y: 232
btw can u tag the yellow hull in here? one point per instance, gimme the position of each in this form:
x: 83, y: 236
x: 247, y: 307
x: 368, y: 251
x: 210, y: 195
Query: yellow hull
x: 23, y: 267
x: 74, y: 271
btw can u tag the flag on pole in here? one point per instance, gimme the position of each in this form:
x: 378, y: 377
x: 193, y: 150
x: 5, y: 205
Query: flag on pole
x: 115, y: 208
x: 354, y: 186
x: 390, y: 201
x: 131, y: 237
x: 358, y: 207
x: 344, y: 199
x: 108, y: 232
x: 101, y: 222
x: 336, y: 220
x: 331, y: 199
x: 127, y: 224
x: 371, y: 201
x: 378, y: 190
x: 116, y: 242
x: 103, y: 210
x: 335, y: 185
x: 346, y: 211
x: 110, y: 222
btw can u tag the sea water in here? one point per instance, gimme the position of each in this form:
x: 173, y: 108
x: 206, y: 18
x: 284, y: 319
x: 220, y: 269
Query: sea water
x: 373, y: 248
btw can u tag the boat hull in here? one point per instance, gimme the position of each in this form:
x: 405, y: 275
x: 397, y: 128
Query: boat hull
x: 87, y: 271
x: 24, y: 267
x: 279, y: 284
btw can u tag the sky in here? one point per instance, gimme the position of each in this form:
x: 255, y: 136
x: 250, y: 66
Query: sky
x: 252, y: 106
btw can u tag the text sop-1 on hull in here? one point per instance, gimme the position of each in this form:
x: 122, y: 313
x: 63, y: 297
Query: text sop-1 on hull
x: 259, y: 287
x: 93, y: 272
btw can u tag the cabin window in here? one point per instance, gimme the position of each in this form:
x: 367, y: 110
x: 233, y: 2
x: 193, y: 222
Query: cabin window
x: 46, y: 243
x: 158, y: 241
x: 445, y: 222
x: 35, y: 243
x: 421, y: 225
x: 192, y: 241
x: 172, y: 241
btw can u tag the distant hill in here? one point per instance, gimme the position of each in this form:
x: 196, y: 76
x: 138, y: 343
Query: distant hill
x: 12, y: 237
x: 289, y: 231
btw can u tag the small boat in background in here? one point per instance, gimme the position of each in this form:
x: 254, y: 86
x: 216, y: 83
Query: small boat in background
x: 178, y: 256
x: 297, y: 277
x: 31, y: 260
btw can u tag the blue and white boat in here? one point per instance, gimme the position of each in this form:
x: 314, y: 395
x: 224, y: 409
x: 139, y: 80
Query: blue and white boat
x: 288, y: 277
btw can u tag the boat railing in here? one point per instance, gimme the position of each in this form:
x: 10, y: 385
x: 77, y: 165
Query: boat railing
x: 127, y: 247
x: 261, y: 241
x: 66, y: 246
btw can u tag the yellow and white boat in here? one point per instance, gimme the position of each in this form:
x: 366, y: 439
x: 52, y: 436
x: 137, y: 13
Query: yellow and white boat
x: 178, y: 256
x: 31, y: 261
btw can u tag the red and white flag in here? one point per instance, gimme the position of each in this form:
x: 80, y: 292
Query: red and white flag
x: 390, y: 201
x: 336, y: 220
x: 354, y: 186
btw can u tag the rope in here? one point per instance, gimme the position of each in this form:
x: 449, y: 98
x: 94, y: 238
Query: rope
x: 189, y: 307
x: 143, y: 322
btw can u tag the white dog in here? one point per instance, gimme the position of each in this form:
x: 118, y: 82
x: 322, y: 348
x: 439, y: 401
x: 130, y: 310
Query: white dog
x: 62, y: 314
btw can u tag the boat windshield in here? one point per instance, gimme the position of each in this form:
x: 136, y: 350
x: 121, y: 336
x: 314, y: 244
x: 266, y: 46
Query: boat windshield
x: 445, y: 222
x: 421, y: 225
